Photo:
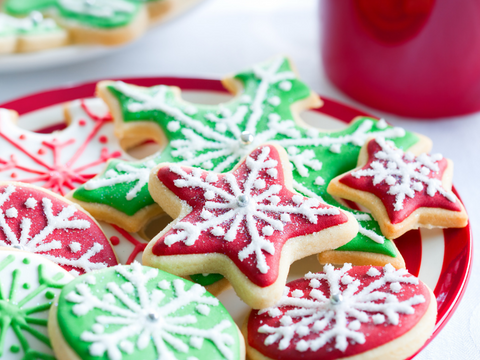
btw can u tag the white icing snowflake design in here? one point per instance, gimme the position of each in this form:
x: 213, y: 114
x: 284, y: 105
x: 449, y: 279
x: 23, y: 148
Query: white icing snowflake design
x: 23, y: 239
x: 202, y: 143
x: 338, y: 318
x: 135, y: 311
x: 404, y: 173
x: 248, y: 207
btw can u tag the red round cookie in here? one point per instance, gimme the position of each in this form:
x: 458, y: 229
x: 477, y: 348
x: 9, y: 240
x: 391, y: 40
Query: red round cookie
x: 36, y: 220
x: 339, y: 313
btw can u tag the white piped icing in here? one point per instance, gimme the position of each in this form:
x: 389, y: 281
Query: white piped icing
x: 75, y: 247
x: 38, y: 242
x: 228, y: 224
x: 203, y: 144
x: 332, y: 322
x: 31, y: 203
x: 132, y: 316
x: 11, y: 213
x: 404, y: 174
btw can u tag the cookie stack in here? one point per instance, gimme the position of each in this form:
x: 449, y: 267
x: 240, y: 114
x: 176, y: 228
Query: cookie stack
x: 250, y: 189
x: 38, y: 25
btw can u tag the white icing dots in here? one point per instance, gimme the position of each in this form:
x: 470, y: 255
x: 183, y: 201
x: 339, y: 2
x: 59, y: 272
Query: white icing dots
x: 203, y: 309
x: 11, y: 213
x: 272, y: 173
x: 30, y: 203
x: 164, y: 285
x: 267, y: 230
x: 297, y: 293
x: 285, y: 85
x: 302, y: 346
x: 173, y: 126
x: 314, y: 283
x: 207, y: 165
x: 205, y: 214
x: 75, y: 247
x: 218, y: 231
x: 259, y: 184
x: 211, y: 178
x: 90, y: 279
x: 274, y: 100
x: 297, y: 199
x: 336, y: 148
x: 347, y: 280
x: 128, y: 288
x: 98, y: 328
x: 285, y: 218
x: 378, y: 319
x: 209, y: 195
x: 395, y: 287
x: 381, y: 124
x: 373, y: 272
x: 354, y: 325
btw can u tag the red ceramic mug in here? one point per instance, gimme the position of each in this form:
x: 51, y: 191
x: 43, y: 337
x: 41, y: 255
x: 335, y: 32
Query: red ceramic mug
x: 417, y: 58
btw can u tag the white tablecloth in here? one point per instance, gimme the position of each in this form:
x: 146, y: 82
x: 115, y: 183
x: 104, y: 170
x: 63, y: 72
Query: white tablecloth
x: 222, y: 36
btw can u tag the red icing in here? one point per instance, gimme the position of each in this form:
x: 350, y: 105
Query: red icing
x: 375, y: 335
x: 58, y: 176
x: 103, y: 139
x: 82, y: 122
x: 115, y: 240
x: 22, y: 137
x: 421, y: 199
x: 41, y: 151
x: 13, y: 175
x: 138, y: 246
x: 208, y: 243
x: 86, y: 237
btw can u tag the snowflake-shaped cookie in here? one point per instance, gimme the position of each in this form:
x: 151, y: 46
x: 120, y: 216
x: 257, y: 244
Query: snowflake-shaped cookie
x: 133, y: 312
x: 248, y: 222
x: 402, y: 190
x: 341, y: 313
x: 28, y: 284
x: 35, y: 220
x: 64, y: 159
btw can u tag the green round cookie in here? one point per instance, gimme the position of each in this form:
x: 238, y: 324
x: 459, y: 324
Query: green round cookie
x: 137, y: 312
x: 28, y: 285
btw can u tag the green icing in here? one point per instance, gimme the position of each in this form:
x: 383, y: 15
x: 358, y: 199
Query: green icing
x: 95, y: 13
x: 19, y: 307
x: 34, y: 24
x: 206, y: 280
x: 142, y: 313
x: 210, y: 137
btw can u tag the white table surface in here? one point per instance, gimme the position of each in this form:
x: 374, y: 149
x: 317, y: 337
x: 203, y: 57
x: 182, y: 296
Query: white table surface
x: 223, y: 36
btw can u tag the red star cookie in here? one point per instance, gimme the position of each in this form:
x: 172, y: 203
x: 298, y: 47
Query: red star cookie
x: 403, y: 191
x: 248, y: 225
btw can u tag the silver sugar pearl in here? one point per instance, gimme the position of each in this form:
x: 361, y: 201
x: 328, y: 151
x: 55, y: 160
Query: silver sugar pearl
x: 246, y: 137
x: 336, y: 299
x: 242, y: 200
x: 153, y: 316
x: 18, y: 247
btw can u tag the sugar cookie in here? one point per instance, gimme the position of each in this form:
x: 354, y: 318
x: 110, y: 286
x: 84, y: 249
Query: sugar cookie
x: 362, y: 312
x: 136, y: 312
x: 248, y: 224
x: 402, y: 190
